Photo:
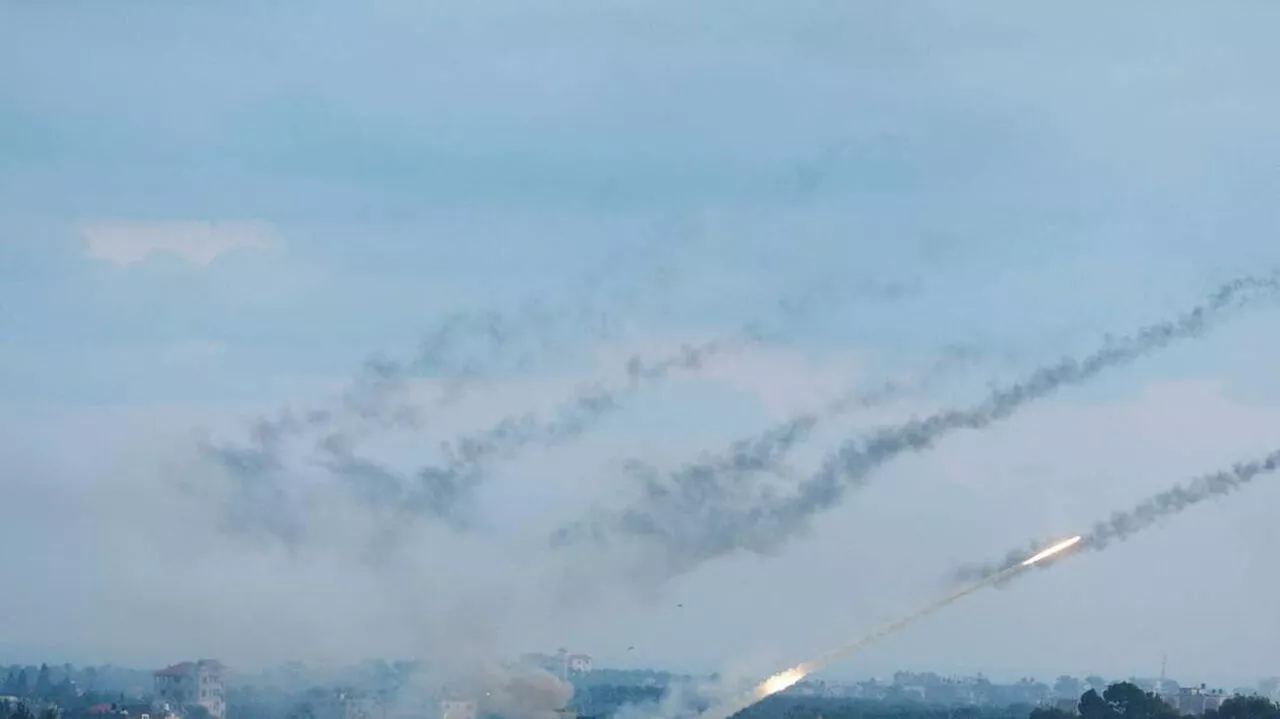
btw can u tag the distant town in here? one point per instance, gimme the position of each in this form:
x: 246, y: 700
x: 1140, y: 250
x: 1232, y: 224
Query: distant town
x: 207, y: 689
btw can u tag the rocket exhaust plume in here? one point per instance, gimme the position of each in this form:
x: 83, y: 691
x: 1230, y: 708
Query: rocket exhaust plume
x: 786, y: 679
x: 690, y: 520
x: 1148, y: 512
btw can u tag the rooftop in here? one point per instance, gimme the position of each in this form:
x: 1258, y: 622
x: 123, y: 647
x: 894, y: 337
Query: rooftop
x: 186, y: 669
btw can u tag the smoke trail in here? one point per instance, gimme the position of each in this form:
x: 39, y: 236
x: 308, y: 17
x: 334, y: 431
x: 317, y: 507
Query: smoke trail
x: 785, y: 679
x: 1147, y: 513
x: 437, y: 490
x: 690, y: 520
x: 442, y: 490
x: 458, y: 349
x: 746, y: 459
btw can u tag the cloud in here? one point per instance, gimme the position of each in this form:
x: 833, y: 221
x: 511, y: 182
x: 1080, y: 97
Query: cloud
x: 127, y: 243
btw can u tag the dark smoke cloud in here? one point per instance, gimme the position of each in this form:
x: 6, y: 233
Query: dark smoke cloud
x: 1144, y: 515
x: 694, y: 517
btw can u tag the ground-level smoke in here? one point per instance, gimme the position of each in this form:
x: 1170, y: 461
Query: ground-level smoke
x: 1147, y: 513
x: 691, y: 519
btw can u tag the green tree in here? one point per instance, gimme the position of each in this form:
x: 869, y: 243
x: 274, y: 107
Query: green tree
x: 65, y: 690
x: 44, y: 685
x: 1093, y: 706
x: 11, y: 685
x: 1248, y: 708
x: 1127, y: 701
x: 22, y: 686
x: 1050, y: 713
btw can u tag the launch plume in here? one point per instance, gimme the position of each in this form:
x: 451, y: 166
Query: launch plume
x: 1147, y: 513
x: 790, y: 677
x: 690, y: 519
x: 522, y: 693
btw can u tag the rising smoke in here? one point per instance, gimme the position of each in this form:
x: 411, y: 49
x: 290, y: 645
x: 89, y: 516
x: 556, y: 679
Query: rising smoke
x: 1146, y: 514
x: 696, y: 515
x: 519, y: 693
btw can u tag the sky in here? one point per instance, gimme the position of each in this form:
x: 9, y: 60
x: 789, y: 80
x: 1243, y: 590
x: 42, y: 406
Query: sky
x: 219, y: 214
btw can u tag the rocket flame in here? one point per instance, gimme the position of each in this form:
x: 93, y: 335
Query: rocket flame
x: 780, y: 682
x: 1050, y: 551
x: 786, y: 679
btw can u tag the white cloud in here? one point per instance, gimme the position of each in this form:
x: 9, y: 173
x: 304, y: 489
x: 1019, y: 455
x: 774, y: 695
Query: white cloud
x: 128, y: 243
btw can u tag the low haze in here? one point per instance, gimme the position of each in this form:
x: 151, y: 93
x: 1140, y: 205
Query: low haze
x: 695, y: 336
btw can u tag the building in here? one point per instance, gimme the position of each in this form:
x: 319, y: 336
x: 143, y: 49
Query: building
x: 1198, y: 700
x: 557, y: 664
x: 183, y: 687
x: 458, y: 709
x: 345, y: 705
x: 561, y: 664
x: 579, y: 663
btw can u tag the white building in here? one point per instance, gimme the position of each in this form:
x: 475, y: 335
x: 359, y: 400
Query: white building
x: 193, y: 684
x: 341, y: 705
x: 458, y: 709
x: 561, y: 664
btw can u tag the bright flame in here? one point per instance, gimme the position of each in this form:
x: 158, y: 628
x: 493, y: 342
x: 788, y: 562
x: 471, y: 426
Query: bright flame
x: 779, y: 682
x: 1046, y: 553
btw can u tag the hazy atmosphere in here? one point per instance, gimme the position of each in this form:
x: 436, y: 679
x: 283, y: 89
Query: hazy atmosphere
x: 705, y: 336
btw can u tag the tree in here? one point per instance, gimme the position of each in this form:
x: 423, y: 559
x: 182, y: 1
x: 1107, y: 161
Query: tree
x: 1248, y: 708
x: 11, y: 683
x: 44, y: 685
x: 1093, y: 706
x: 1050, y: 713
x: 1124, y: 700
x: 22, y: 686
x: 1066, y: 686
x: 65, y: 690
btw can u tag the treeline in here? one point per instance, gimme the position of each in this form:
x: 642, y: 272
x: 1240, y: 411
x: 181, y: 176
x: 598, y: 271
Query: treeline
x: 9, y: 710
x: 1122, y: 700
x: 785, y: 707
x: 47, y: 683
x: 1125, y: 700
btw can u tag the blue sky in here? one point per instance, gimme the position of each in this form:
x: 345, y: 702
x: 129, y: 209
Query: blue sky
x: 330, y: 178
